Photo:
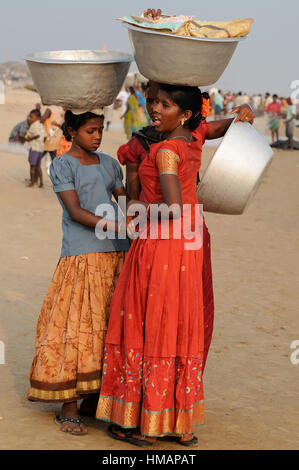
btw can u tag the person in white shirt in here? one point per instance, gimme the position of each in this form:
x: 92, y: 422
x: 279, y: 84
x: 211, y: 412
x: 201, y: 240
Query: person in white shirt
x: 268, y: 100
x: 245, y: 99
x: 108, y: 114
x: 290, y: 122
x: 257, y: 104
x: 122, y: 98
x: 35, y: 138
x: 2, y: 92
x: 239, y: 100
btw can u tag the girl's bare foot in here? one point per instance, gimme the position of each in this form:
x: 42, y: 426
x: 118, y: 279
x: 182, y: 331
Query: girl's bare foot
x: 69, y: 410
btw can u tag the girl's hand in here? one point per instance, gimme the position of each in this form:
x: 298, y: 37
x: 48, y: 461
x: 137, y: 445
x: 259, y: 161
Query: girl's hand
x: 140, y: 210
x: 245, y: 113
x: 131, y: 230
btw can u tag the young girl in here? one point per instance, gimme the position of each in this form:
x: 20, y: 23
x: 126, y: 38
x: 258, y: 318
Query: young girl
x: 73, y: 320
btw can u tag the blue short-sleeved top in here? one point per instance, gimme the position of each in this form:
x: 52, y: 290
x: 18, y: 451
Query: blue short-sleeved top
x: 94, y: 185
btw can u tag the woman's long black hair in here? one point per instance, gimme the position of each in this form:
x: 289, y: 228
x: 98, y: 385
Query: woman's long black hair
x: 187, y: 98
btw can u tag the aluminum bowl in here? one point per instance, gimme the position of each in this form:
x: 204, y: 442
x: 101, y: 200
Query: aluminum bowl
x: 236, y: 170
x: 78, y: 79
x: 180, y: 60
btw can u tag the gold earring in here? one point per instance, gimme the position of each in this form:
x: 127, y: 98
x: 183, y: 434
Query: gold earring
x: 183, y: 122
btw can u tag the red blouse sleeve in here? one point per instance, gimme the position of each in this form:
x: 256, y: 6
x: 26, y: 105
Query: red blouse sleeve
x: 131, y: 152
x: 202, y: 131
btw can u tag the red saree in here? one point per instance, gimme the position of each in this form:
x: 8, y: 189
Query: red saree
x: 133, y: 152
x: 154, y: 350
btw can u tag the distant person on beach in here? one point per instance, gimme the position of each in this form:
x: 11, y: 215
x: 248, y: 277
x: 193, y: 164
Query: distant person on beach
x: 290, y: 122
x: 238, y: 100
x: 121, y: 100
x: 245, y: 99
x: 257, y: 104
x: 18, y: 132
x: 52, y: 119
x: 35, y: 138
x: 143, y: 104
x: 267, y: 101
x: 108, y: 114
x: 142, y: 112
x: 2, y: 92
x: 229, y: 105
x: 274, y: 109
x: 218, y: 105
x: 131, y: 122
x: 71, y: 329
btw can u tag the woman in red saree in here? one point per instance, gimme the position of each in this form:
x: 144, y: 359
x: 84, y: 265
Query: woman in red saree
x: 137, y: 149
x: 152, y: 373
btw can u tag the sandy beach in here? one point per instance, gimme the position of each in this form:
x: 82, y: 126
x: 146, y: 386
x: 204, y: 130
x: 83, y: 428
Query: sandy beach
x: 251, y: 386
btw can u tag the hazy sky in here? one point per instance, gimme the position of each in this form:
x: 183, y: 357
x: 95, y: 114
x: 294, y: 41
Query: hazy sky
x: 267, y: 61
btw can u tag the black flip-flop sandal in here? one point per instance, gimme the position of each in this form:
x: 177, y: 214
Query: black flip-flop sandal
x: 191, y: 442
x: 127, y: 436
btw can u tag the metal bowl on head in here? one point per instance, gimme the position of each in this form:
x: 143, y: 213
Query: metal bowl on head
x: 78, y: 79
x: 180, y: 60
x: 236, y: 170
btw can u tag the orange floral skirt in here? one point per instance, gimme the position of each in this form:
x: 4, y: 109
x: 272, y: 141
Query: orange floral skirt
x: 72, y: 327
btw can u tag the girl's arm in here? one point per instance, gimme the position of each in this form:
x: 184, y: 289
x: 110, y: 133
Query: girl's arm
x: 46, y: 115
x: 172, y: 194
x: 133, y: 183
x: 219, y: 128
x: 82, y: 216
x: 120, y: 192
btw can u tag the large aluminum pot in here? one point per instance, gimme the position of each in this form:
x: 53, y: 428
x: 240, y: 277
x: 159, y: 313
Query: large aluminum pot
x: 236, y: 170
x: 180, y: 60
x: 78, y: 79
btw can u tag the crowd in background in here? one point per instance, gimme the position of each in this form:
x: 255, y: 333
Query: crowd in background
x: 280, y: 112
x: 222, y: 103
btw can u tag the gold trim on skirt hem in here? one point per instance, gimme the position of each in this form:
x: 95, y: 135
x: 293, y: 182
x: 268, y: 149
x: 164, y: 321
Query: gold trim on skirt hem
x: 35, y: 394
x: 172, y: 421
